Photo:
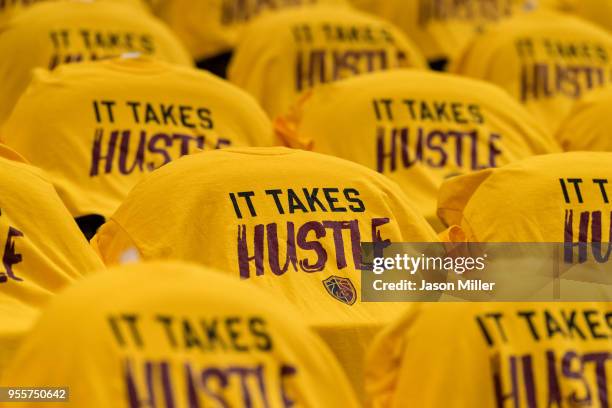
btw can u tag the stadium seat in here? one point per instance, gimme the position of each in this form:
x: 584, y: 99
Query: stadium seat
x: 416, y: 127
x: 286, y: 220
x: 41, y: 249
x: 49, y: 34
x: 176, y: 335
x: 109, y: 123
x: 284, y: 54
x: 544, y: 59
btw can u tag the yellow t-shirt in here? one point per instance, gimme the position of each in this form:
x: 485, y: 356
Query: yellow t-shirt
x: 52, y: 33
x: 211, y: 27
x: 286, y: 220
x: 595, y: 11
x: 586, y: 127
x: 41, y: 248
x: 99, y: 127
x: 551, y: 198
x: 442, y: 28
x: 458, y: 355
x: 181, y: 335
x: 416, y: 127
x: 10, y: 8
x: 544, y: 59
x: 286, y: 53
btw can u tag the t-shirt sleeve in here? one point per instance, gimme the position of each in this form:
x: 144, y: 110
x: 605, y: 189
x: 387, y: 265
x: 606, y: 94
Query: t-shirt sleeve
x: 286, y: 127
x: 114, y: 245
x: 456, y: 192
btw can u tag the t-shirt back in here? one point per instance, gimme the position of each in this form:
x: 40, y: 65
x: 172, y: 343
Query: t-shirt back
x: 416, y: 127
x: 50, y: 34
x: 544, y: 59
x: 107, y: 124
x: 286, y: 53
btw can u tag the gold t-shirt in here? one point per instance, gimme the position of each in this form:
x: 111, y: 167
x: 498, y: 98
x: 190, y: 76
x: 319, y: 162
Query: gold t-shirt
x: 595, y: 11
x: 286, y: 53
x: 211, y: 27
x: 41, y: 248
x: 10, y: 8
x: 53, y: 33
x: 544, y: 59
x: 524, y: 355
x: 551, y: 198
x: 441, y: 28
x: 99, y: 127
x: 175, y: 335
x: 416, y: 127
x: 586, y: 126
x: 286, y: 220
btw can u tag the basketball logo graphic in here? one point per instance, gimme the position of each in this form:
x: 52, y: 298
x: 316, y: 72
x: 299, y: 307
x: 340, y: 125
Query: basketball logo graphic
x: 341, y: 289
